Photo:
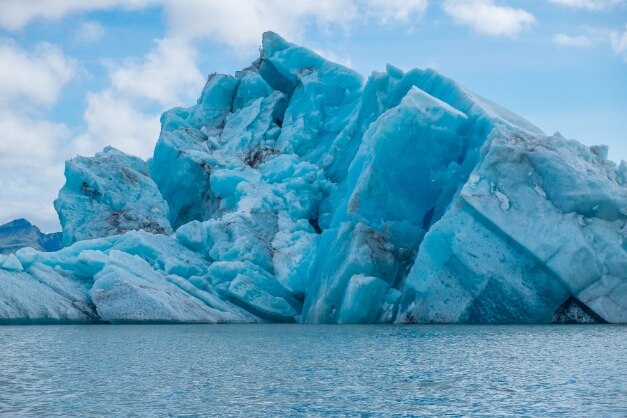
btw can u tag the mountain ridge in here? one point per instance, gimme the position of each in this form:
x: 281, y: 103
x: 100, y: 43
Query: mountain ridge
x: 20, y: 233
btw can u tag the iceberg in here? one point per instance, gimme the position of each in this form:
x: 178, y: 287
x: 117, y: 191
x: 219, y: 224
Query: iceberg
x: 298, y: 191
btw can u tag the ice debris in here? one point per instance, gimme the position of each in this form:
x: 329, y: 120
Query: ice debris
x: 300, y: 192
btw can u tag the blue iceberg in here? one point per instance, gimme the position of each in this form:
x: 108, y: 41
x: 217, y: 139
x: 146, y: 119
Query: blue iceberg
x: 298, y: 191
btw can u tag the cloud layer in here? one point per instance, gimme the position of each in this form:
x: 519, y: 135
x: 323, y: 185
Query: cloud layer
x: 399, y: 10
x: 216, y: 20
x: 165, y: 77
x: 89, y: 32
x: 37, y: 75
x: 588, y: 4
x: 619, y: 42
x: 577, y: 41
x: 30, y: 145
x: 15, y: 14
x: 483, y: 16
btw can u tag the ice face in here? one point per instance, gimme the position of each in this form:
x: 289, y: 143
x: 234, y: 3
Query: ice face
x: 109, y: 194
x: 558, y: 235
x: 42, y: 294
x: 362, y: 299
x: 127, y: 289
x: 403, y: 138
x: 344, y: 252
x: 300, y: 192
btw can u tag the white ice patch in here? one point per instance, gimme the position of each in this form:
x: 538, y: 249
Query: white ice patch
x: 504, y: 201
x: 474, y: 179
x: 539, y: 190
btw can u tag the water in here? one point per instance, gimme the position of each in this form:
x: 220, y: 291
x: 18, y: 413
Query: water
x: 294, y: 370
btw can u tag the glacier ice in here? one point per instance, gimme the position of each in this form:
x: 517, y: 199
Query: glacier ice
x: 562, y: 222
x: 109, y: 194
x: 298, y: 191
x: 127, y: 289
x: 362, y: 299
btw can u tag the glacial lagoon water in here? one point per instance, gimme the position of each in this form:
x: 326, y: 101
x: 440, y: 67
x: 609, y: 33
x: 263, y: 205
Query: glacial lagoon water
x: 312, y: 370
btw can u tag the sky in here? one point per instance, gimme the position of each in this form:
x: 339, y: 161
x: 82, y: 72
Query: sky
x: 76, y: 76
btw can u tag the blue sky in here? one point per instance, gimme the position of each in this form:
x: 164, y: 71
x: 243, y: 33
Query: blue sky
x: 76, y: 76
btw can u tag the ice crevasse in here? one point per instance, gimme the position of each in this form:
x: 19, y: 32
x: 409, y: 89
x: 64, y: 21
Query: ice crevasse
x: 298, y: 191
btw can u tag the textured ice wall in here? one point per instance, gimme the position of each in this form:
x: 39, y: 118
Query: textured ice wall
x: 109, y: 194
x: 540, y: 219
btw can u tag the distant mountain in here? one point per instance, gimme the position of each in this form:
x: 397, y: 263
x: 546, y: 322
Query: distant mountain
x: 20, y: 233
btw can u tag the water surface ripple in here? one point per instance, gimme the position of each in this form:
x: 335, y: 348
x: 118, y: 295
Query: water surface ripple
x: 312, y: 370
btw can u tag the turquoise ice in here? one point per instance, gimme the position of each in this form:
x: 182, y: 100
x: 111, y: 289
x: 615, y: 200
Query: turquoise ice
x: 298, y: 191
x: 109, y: 194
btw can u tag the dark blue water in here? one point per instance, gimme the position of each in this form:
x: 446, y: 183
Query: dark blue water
x: 295, y: 370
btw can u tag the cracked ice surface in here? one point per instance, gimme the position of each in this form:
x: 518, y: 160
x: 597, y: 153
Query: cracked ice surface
x: 300, y: 192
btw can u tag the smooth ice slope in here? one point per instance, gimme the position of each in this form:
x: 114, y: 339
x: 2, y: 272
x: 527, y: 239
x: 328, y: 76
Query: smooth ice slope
x: 300, y: 192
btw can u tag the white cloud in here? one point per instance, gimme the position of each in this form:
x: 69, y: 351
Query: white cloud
x: 616, y: 40
x: 588, y: 4
x: 332, y: 56
x: 400, y: 10
x: 31, y: 169
x: 31, y: 147
x: 28, y: 142
x: 14, y: 14
x: 89, y: 32
x: 217, y: 20
x: 619, y: 42
x: 37, y: 75
x: 484, y: 16
x: 28, y: 193
x: 577, y: 41
x: 237, y: 23
x: 166, y: 76
x: 119, y: 122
